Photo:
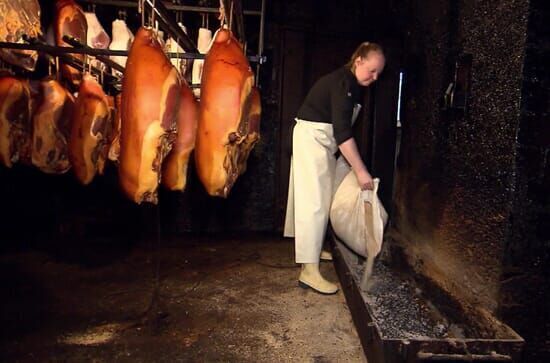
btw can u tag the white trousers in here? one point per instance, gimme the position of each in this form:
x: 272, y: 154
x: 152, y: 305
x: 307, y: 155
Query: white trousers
x: 310, y: 188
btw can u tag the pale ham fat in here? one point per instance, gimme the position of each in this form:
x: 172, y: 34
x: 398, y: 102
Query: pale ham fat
x: 203, y: 44
x: 122, y: 40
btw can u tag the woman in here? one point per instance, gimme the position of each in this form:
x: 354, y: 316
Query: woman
x: 324, y: 126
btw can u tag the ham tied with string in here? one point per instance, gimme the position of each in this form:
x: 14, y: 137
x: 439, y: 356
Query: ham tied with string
x: 15, y: 121
x: 89, y: 130
x: 174, y: 175
x: 52, y: 113
x: 150, y: 101
x: 229, y: 115
x: 70, y: 20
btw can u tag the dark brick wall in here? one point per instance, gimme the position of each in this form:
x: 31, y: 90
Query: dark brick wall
x: 525, y: 293
x: 456, y: 171
x: 471, y: 199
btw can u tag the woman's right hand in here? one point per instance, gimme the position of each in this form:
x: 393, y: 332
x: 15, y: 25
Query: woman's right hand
x: 365, y: 179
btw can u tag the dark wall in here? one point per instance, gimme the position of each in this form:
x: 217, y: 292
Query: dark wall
x: 525, y: 293
x: 472, y: 186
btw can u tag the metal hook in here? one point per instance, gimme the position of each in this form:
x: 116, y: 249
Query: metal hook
x: 57, y: 68
x: 153, y: 15
x: 231, y: 16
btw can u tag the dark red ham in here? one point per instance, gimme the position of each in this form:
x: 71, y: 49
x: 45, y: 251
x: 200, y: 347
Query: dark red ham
x: 89, y: 130
x: 15, y: 121
x: 70, y: 20
x: 52, y: 113
x: 18, y: 18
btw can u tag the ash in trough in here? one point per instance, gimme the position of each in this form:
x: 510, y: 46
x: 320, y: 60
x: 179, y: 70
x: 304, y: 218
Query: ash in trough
x: 399, y: 307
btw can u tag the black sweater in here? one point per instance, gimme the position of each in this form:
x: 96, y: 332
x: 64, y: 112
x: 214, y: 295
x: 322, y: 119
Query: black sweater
x: 331, y: 100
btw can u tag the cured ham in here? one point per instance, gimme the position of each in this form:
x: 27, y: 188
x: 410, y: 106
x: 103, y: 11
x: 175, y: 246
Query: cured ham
x: 203, y: 44
x: 229, y: 115
x: 53, y: 107
x: 253, y: 133
x: 150, y: 100
x: 89, y: 130
x: 122, y: 40
x: 15, y: 121
x: 70, y: 20
x: 96, y: 37
x: 174, y: 175
x: 18, y: 18
x: 114, y: 144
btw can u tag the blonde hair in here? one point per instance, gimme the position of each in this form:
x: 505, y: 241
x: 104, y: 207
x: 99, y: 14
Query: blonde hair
x: 363, y: 51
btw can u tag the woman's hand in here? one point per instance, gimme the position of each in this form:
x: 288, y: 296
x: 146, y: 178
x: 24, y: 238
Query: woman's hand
x: 365, y: 179
x: 350, y: 152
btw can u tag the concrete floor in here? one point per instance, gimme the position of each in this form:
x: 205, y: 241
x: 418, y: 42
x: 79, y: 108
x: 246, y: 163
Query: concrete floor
x: 230, y: 300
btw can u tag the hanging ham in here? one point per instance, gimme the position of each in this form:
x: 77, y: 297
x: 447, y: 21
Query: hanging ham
x: 19, y: 18
x: 89, y: 130
x: 175, y: 167
x: 150, y: 96
x: 15, y: 121
x: 70, y: 20
x: 114, y: 144
x: 52, y: 113
x: 122, y: 40
x: 228, y: 117
x: 96, y: 37
x: 203, y: 44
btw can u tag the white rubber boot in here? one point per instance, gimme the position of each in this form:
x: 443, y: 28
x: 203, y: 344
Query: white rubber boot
x: 326, y: 256
x: 311, y: 277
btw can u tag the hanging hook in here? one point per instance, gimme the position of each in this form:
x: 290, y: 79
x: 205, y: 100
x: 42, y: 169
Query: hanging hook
x: 231, y: 16
x: 221, y: 17
x: 142, y: 8
x: 153, y: 16
x: 57, y: 68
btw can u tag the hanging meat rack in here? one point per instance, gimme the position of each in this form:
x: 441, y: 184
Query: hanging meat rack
x: 166, y: 22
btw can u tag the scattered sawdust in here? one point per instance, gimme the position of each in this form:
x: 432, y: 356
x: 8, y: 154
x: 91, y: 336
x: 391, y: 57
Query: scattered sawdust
x: 93, y: 336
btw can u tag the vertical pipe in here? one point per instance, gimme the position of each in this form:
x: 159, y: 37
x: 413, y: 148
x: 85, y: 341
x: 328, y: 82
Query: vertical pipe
x: 260, y: 42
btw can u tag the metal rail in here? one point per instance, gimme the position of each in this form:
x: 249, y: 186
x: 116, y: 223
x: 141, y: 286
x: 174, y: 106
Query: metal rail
x: 168, y: 5
x: 77, y: 44
x: 172, y: 28
x: 95, y: 52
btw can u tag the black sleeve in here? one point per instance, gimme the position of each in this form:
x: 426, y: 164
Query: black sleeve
x: 342, y: 110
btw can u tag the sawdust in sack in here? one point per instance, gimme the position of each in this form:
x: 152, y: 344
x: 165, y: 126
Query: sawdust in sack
x: 358, y: 217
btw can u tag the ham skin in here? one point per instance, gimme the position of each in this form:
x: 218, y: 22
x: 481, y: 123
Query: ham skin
x: 89, y: 130
x: 150, y: 97
x: 228, y: 116
x: 52, y: 114
x: 15, y: 121
x: 175, y: 167
x: 70, y: 20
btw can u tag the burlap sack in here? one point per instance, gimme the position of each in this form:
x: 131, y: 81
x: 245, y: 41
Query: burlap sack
x: 358, y: 219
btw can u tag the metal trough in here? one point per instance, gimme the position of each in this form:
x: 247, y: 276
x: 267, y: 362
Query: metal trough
x: 400, y: 319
